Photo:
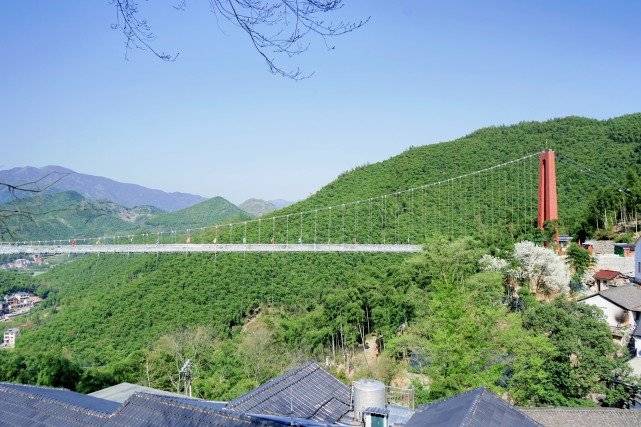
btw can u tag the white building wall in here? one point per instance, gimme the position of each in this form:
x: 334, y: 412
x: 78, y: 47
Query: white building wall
x: 637, y: 346
x: 611, y: 311
x: 637, y: 261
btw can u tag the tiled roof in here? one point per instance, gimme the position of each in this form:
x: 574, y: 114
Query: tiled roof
x: 584, y: 417
x: 610, y: 261
x: 22, y: 405
x: 305, y: 392
x: 60, y: 394
x: 121, y: 392
x: 628, y: 296
x: 607, y: 274
x: 478, y: 407
x: 47, y: 407
x: 143, y: 409
x: 624, y: 245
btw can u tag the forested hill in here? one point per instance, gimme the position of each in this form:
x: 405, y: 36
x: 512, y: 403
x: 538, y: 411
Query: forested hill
x: 115, y: 315
x: 67, y: 215
x: 607, y: 147
x: 212, y: 211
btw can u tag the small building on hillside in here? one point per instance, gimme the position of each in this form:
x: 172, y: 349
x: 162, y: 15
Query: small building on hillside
x: 621, y: 306
x: 599, y: 247
x: 564, y: 242
x: 588, y: 245
x: 624, y: 249
x: 603, y: 279
x: 637, y: 261
x: 10, y: 336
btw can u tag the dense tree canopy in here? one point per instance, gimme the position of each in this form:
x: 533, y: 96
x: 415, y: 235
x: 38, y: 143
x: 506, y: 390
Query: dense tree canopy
x: 434, y: 317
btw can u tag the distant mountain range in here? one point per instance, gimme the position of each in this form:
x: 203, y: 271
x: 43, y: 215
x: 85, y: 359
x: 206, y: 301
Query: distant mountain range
x: 73, y: 204
x: 58, y: 178
x: 259, y: 207
x: 67, y: 215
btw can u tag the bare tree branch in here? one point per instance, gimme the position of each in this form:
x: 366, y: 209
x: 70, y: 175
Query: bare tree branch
x: 10, y: 214
x: 275, y: 27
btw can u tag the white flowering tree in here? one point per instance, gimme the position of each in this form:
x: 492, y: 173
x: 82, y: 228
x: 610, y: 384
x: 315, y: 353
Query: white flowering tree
x: 492, y: 263
x: 546, y: 271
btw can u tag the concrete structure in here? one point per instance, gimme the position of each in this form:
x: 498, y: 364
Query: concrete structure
x: 366, y: 394
x: 10, y: 336
x: 547, y: 206
x: 205, y: 247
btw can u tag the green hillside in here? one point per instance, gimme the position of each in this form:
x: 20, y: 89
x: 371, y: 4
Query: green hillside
x: 112, y: 312
x: 495, y: 205
x: 607, y: 146
x: 212, y: 211
x: 67, y: 215
x: 111, y: 306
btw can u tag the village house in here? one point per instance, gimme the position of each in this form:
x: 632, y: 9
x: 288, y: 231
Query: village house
x: 624, y: 249
x: 24, y: 263
x: 603, y: 279
x: 599, y: 247
x: 306, y: 396
x: 564, y: 243
x: 621, y: 306
x: 17, y: 303
x: 10, y: 336
x: 21, y: 300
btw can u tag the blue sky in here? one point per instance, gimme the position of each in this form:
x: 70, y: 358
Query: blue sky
x: 215, y: 122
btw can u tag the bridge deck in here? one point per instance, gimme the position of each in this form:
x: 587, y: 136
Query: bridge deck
x: 205, y: 247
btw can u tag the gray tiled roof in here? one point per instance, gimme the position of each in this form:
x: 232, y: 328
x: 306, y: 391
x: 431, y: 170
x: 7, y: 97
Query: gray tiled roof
x: 143, y: 409
x: 22, y: 405
x: 584, y: 417
x: 60, y: 394
x: 478, y: 407
x: 47, y: 407
x: 305, y: 392
x: 121, y: 392
x: 628, y: 296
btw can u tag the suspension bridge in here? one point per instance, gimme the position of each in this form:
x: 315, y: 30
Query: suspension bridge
x: 512, y: 198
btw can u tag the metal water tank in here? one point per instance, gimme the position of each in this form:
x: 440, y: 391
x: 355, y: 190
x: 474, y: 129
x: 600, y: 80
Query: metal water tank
x: 367, y: 394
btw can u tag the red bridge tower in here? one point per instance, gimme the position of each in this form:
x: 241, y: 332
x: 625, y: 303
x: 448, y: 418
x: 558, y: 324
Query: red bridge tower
x: 548, y: 209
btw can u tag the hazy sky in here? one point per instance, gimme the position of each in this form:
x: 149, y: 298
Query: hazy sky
x: 215, y: 122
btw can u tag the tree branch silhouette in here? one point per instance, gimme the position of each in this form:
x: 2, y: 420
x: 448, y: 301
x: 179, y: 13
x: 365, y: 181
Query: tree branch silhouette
x: 275, y: 27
